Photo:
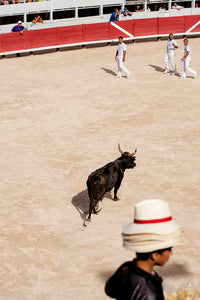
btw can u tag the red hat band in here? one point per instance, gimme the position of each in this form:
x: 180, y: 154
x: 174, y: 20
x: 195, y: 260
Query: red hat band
x: 153, y: 221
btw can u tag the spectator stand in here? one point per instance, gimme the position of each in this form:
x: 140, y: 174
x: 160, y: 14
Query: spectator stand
x: 87, y: 22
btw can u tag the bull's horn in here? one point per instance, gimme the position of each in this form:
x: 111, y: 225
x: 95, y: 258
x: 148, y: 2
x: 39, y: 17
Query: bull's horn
x: 134, y: 152
x: 120, y: 150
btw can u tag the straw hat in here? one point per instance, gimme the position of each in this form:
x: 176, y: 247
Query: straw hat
x: 152, y: 228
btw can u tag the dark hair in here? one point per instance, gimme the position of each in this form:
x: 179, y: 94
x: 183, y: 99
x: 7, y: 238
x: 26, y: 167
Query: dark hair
x: 145, y: 256
x: 185, y: 39
x: 121, y: 37
x: 171, y: 34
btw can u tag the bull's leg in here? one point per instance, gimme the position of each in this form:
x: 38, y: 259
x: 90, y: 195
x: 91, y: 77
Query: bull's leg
x: 117, y: 186
x: 98, y: 197
x: 96, y: 210
x: 115, y: 194
x: 91, y: 207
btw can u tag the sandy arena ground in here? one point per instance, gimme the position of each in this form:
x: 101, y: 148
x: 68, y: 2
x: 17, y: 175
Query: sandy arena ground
x: 62, y: 116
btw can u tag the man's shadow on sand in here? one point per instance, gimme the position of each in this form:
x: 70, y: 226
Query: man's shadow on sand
x: 159, y: 69
x: 82, y: 201
x: 109, y: 71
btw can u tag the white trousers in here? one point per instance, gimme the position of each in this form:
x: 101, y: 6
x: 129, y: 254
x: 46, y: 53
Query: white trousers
x: 121, y: 66
x: 170, y: 56
x: 185, y: 67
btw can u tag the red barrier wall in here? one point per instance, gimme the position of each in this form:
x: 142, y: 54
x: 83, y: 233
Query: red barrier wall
x: 92, y: 32
x: 1, y: 43
x: 171, y: 24
x: 146, y: 27
x: 190, y: 21
x: 114, y: 32
x: 196, y: 29
x: 70, y: 34
x: 127, y: 25
x: 44, y: 37
x: 15, y: 41
x: 95, y: 32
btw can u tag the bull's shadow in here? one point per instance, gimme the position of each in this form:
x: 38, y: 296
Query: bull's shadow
x: 82, y: 201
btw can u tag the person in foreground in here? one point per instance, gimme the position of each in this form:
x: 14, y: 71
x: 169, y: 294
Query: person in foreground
x: 152, y: 235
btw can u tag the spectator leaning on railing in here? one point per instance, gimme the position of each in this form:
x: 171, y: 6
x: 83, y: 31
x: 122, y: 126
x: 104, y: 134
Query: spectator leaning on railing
x: 37, y: 19
x: 155, y: 7
x: 138, y: 9
x: 18, y: 28
x: 163, y: 7
x: 126, y: 12
x: 176, y: 6
x: 4, y: 2
x: 115, y: 15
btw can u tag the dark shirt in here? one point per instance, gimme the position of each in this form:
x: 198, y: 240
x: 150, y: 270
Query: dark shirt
x: 17, y: 28
x: 132, y: 283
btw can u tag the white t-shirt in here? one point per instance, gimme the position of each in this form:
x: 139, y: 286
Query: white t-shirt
x: 178, y: 6
x: 120, y: 49
x: 187, y: 48
x: 170, y: 46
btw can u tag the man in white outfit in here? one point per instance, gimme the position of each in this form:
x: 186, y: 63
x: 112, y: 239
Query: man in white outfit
x: 186, y: 60
x: 120, y: 57
x: 170, y: 54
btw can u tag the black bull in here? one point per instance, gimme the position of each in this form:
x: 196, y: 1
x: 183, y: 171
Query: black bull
x: 108, y: 177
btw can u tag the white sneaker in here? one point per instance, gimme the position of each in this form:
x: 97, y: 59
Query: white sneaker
x: 166, y: 71
x: 195, y: 75
x: 174, y: 73
x: 127, y: 75
x: 182, y: 77
x: 119, y: 75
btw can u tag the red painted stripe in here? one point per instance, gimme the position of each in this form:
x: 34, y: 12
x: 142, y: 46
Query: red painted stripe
x: 152, y: 221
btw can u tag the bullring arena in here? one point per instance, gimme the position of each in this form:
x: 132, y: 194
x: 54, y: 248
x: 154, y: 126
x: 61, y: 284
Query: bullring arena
x: 62, y: 116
